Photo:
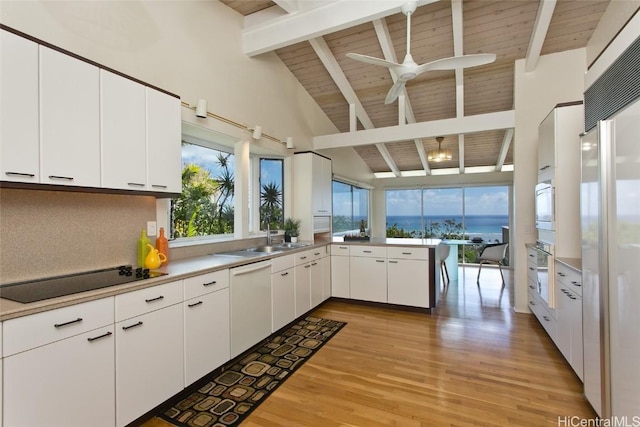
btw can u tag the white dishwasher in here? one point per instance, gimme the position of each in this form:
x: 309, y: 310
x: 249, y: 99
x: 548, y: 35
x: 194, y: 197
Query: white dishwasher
x: 250, y: 305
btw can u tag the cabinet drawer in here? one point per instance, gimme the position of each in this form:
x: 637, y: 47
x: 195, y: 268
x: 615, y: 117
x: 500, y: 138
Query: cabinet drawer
x: 205, y: 283
x: 369, y: 251
x: 43, y: 328
x: 408, y: 253
x: 546, y: 320
x: 304, y: 257
x: 282, y: 263
x: 149, y: 299
x: 532, y: 271
x: 318, y: 253
x: 569, y: 277
x: 340, y: 250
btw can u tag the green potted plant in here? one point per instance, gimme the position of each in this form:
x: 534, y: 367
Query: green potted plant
x: 291, y: 230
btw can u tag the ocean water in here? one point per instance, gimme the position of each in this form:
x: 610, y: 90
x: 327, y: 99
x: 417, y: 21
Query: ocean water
x: 487, y: 227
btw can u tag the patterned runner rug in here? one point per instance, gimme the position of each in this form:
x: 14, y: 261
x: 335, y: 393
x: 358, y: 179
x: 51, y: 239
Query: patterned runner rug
x: 229, y: 397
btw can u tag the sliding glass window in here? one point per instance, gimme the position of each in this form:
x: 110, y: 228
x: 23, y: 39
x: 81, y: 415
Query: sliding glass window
x: 350, y: 207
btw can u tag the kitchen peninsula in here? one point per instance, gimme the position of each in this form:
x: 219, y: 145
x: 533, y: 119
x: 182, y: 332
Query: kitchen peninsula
x: 386, y: 270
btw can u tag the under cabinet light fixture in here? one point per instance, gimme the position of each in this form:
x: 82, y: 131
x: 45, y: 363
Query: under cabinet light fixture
x: 201, y: 108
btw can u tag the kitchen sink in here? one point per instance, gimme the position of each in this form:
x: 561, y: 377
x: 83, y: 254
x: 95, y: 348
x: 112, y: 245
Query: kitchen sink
x: 263, y: 250
x: 267, y: 249
x: 288, y: 245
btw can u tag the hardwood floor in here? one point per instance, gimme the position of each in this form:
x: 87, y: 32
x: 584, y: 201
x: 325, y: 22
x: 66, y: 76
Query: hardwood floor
x: 473, y: 361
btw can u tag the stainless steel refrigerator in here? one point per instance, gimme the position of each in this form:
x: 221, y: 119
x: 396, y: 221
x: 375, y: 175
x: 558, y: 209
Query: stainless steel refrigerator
x: 610, y: 219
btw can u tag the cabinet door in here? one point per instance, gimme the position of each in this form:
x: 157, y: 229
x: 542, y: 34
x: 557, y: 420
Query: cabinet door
x: 68, y: 383
x: 577, y: 344
x: 69, y: 120
x: 283, y: 298
x: 19, y: 143
x: 563, y: 314
x: 408, y: 282
x: 315, y: 281
x: 206, y: 334
x: 340, y: 276
x: 122, y: 129
x: 303, y: 288
x: 368, y: 279
x: 164, y: 142
x: 326, y: 277
x: 321, y: 168
x: 149, y: 361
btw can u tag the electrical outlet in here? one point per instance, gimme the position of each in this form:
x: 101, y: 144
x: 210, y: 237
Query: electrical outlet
x: 152, y: 228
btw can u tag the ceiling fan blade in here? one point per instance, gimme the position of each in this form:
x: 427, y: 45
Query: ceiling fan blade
x: 394, y: 92
x: 372, y: 60
x: 454, y: 62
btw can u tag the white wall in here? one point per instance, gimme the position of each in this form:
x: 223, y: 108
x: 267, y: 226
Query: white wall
x: 557, y: 78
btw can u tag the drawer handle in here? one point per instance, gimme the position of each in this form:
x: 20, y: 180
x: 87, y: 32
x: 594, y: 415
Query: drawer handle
x: 124, y: 328
x: 560, y: 274
x: 314, y: 263
x: 532, y: 256
x: 92, y: 339
x: 307, y: 266
x: 194, y: 304
x: 532, y: 287
x: 531, y: 269
x: 343, y: 247
x: 213, y: 282
x: 546, y: 318
x: 366, y: 252
x: 393, y: 262
x: 407, y: 253
x: 60, y: 325
x: 532, y: 303
x: 545, y: 167
x: 64, y: 178
x: 135, y: 184
x: 316, y: 253
x: 573, y: 282
x: 155, y: 299
x: 379, y: 260
x: 286, y: 273
x: 303, y: 257
x: 30, y: 175
x: 158, y: 186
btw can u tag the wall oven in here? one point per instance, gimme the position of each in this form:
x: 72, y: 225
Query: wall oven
x: 545, y: 209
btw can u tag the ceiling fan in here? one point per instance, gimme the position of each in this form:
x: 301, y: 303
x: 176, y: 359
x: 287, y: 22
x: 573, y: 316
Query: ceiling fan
x: 409, y: 69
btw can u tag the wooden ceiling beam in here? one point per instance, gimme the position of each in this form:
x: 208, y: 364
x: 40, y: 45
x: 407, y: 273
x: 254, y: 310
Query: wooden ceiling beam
x: 431, y: 129
x: 506, y: 142
x: 539, y: 33
x: 307, y: 24
x: 329, y: 61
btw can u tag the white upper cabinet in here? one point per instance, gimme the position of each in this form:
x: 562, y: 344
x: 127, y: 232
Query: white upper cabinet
x: 69, y: 120
x: 164, y: 142
x: 19, y: 145
x: 123, y: 132
x: 321, y: 168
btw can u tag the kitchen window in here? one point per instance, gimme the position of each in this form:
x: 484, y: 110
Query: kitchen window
x: 271, y: 180
x: 206, y: 205
x: 350, y: 206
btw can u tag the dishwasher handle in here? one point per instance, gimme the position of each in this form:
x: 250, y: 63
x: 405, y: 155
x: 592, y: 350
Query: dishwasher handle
x: 246, y: 270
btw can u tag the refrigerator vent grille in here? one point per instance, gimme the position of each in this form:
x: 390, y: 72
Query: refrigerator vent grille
x: 614, y: 89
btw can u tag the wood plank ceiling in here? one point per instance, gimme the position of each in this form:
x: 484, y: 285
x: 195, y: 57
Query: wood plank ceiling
x: 503, y: 27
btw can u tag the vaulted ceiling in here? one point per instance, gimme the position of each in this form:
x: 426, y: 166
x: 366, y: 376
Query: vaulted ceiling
x: 313, y: 38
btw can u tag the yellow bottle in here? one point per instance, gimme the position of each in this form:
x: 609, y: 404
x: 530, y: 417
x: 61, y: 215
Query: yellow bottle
x: 142, y: 248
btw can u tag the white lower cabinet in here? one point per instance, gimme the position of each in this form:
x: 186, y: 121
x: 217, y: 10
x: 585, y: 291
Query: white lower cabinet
x: 340, y: 275
x: 569, y: 317
x: 408, y: 282
x: 315, y: 282
x: 326, y: 277
x: 368, y: 278
x: 283, y: 298
x: 149, y: 361
x: 303, y: 288
x: 206, y: 334
x: 58, y: 367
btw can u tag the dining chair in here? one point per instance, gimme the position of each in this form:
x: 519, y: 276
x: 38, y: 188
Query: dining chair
x: 492, y: 254
x: 444, y: 253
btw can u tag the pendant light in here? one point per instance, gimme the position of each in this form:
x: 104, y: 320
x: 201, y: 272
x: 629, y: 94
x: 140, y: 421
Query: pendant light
x: 439, y: 155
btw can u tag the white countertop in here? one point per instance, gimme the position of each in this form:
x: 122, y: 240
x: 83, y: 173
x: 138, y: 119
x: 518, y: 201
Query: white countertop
x: 379, y: 241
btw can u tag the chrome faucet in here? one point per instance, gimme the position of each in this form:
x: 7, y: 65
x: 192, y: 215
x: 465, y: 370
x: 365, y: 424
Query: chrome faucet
x: 268, y: 234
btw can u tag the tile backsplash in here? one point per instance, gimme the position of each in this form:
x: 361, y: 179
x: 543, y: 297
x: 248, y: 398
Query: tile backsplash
x: 49, y: 233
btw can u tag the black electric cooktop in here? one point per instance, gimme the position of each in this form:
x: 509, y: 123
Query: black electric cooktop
x: 53, y: 287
